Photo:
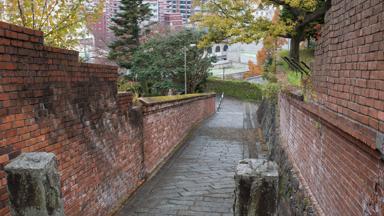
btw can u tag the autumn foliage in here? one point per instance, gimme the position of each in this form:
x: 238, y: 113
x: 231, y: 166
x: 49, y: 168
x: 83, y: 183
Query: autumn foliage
x: 254, y: 70
x: 270, y: 45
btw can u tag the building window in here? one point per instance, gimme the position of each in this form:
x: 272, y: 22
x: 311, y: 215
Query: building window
x: 225, y: 48
x: 217, y: 49
x: 209, y: 50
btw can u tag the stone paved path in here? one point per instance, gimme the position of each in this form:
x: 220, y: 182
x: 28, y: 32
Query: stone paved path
x: 198, y: 179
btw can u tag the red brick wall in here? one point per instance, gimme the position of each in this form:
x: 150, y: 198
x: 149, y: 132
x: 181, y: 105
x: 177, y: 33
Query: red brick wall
x: 349, y: 68
x: 51, y: 102
x: 342, y: 177
x: 166, y: 125
x: 334, y: 141
x: 124, y: 100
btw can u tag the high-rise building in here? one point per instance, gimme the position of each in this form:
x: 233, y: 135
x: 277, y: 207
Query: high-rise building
x: 184, y: 7
x: 173, y: 20
x: 101, y: 29
x: 162, y: 10
x: 103, y: 35
x: 154, y: 7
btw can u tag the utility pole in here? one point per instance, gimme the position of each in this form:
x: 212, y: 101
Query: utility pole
x: 185, y: 70
x: 185, y: 66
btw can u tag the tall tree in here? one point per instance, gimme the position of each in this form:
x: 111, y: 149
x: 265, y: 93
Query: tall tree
x: 62, y: 21
x: 235, y: 21
x: 159, y: 63
x: 126, y: 28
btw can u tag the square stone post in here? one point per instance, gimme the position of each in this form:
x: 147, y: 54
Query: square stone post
x: 256, y: 191
x: 34, y: 185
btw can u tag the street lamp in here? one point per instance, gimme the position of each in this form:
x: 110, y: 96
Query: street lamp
x: 185, y: 67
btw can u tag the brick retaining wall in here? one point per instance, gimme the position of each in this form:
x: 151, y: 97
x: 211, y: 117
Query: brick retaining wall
x: 335, y: 141
x: 167, y: 124
x: 343, y: 177
x: 348, y: 74
x: 51, y: 102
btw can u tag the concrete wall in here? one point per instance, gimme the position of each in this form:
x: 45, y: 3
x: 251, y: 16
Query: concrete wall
x: 105, y: 148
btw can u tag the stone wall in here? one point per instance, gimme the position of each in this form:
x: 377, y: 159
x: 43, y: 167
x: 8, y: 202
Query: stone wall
x: 293, y: 199
x: 51, y: 102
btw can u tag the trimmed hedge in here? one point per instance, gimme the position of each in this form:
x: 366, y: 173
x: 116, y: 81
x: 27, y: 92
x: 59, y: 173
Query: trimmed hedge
x: 235, y: 88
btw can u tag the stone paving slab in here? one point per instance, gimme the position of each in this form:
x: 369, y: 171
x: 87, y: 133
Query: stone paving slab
x: 199, y: 178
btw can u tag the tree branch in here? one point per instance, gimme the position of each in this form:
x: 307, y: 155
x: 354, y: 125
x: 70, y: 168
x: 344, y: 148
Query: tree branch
x: 222, y: 10
x: 69, y: 15
x: 48, y: 15
x: 294, y: 11
x: 33, y: 14
x: 320, y: 12
x: 21, y: 13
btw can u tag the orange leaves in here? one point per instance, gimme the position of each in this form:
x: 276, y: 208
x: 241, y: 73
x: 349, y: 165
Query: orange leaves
x: 261, y: 56
x: 254, y: 70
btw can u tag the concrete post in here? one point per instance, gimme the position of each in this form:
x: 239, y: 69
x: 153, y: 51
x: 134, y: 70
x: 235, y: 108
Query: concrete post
x: 256, y: 188
x: 34, y: 185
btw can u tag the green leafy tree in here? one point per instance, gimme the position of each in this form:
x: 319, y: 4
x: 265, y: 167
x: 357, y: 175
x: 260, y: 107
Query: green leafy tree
x: 235, y: 21
x: 159, y: 64
x: 126, y: 28
x: 62, y: 21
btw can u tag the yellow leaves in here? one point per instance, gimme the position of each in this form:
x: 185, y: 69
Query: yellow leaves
x: 62, y: 21
x: 1, y: 9
x: 309, y: 5
x: 235, y: 21
x: 231, y: 20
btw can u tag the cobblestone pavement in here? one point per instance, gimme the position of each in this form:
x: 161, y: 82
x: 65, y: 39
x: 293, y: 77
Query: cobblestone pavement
x: 198, y: 179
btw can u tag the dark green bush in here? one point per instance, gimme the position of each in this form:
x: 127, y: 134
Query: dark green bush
x: 235, y: 88
x: 124, y: 84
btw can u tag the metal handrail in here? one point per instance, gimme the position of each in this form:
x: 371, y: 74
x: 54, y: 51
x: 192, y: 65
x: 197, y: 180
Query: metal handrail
x: 220, y: 101
x: 300, y: 67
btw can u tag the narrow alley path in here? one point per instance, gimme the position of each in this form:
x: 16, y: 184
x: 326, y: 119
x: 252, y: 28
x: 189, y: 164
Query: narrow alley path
x: 198, y: 179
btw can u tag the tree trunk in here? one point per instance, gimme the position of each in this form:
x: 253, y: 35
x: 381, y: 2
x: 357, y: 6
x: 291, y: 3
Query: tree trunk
x: 294, y: 52
x: 295, y: 48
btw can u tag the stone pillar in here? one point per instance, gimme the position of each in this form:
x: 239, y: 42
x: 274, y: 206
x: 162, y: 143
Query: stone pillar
x: 34, y: 185
x: 256, y: 188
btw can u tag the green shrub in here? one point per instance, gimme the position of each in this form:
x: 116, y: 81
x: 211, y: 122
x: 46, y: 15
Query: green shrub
x: 124, y: 85
x: 294, y: 78
x: 271, y: 91
x: 235, y: 88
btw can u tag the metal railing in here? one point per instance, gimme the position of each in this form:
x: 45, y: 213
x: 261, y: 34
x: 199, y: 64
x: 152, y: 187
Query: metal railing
x: 220, y: 101
x: 296, y: 66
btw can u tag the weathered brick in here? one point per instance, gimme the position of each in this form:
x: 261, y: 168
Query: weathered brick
x: 381, y: 116
x: 5, y: 41
x: 7, y: 66
x: 315, y: 140
x: 349, y: 54
x: 51, y: 102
